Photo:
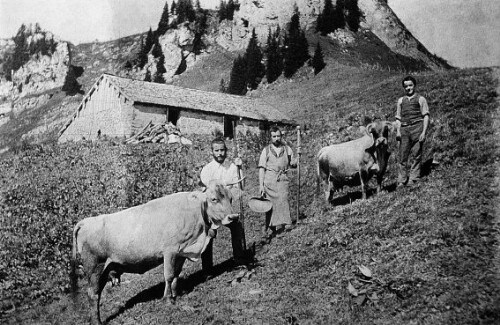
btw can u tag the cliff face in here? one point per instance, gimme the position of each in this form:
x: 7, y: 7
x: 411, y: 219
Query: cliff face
x: 42, y: 72
x: 378, y: 18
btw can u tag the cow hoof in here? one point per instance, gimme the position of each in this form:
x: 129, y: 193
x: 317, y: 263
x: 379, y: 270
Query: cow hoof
x: 172, y: 300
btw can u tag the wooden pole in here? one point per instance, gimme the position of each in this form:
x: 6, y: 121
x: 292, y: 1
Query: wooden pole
x: 236, y: 147
x: 298, y: 173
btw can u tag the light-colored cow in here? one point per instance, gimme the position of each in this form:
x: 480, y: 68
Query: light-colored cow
x: 165, y: 230
x: 355, y: 162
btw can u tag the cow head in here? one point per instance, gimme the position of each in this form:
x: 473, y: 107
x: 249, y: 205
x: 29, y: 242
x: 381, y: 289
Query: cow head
x: 219, y: 209
x: 380, y: 131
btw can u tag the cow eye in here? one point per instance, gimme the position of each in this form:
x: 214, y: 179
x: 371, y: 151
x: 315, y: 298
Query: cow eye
x: 214, y: 200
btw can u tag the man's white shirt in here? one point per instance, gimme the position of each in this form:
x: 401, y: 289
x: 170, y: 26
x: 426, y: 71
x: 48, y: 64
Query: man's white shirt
x: 225, y: 172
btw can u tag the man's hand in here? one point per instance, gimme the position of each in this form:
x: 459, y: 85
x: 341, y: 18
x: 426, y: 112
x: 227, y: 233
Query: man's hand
x: 212, y: 233
x: 422, y: 137
x: 238, y: 162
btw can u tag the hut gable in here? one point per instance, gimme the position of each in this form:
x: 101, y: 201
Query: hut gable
x: 117, y: 106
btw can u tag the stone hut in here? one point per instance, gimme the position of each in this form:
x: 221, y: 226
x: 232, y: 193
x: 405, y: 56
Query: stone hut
x: 121, y: 107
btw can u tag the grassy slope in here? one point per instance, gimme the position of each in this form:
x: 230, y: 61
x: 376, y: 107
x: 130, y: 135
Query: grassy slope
x: 431, y: 248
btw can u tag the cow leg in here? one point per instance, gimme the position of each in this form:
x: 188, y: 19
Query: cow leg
x: 92, y: 268
x: 169, y: 272
x: 363, y: 189
x: 179, y: 262
x: 328, y: 192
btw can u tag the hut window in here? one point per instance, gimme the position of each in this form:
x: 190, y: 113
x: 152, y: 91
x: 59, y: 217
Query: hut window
x: 228, y: 127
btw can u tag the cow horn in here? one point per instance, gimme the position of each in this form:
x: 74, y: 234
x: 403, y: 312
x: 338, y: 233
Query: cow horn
x: 238, y: 181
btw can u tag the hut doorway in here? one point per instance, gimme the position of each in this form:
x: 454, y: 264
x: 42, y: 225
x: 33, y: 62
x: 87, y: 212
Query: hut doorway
x: 229, y: 127
x: 173, y: 116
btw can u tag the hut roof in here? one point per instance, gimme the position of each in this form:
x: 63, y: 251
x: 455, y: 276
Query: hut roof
x: 214, y: 102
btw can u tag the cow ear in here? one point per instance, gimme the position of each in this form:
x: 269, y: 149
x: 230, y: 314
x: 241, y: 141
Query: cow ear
x: 369, y: 128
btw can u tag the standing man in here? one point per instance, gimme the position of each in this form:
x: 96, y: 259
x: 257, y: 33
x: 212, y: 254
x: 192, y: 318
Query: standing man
x: 412, y: 115
x: 274, y: 163
x: 219, y: 169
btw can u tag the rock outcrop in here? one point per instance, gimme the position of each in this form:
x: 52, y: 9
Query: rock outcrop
x: 43, y: 72
x: 40, y: 73
x: 378, y: 18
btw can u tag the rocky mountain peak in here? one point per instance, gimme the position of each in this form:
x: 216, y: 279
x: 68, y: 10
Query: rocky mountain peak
x: 378, y: 17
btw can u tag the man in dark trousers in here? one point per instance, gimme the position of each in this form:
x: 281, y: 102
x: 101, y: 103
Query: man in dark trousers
x: 219, y: 169
x: 413, y: 116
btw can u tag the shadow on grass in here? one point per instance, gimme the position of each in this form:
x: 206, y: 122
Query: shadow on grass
x: 350, y: 197
x: 185, y: 285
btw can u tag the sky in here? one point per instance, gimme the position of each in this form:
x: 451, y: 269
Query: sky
x: 464, y: 32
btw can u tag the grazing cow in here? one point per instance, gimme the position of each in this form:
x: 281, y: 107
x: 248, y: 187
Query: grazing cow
x: 165, y: 230
x: 355, y: 162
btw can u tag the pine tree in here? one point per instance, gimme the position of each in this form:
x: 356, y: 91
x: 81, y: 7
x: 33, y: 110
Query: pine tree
x: 253, y: 57
x: 21, y: 49
x: 185, y: 11
x: 230, y: 8
x: 173, y: 8
x: 222, y: 11
x: 238, y: 80
x: 354, y: 15
x: 274, y: 57
x: 147, y: 77
x: 163, y: 24
x: 160, y: 70
x: 318, y: 62
x: 338, y: 15
x: 326, y: 20
x: 157, y: 52
x: 296, y: 47
x: 145, y: 48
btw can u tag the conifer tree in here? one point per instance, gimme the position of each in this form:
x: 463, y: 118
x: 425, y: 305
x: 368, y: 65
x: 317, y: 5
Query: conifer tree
x: 145, y: 48
x: 160, y: 70
x: 353, y: 15
x: 157, y: 52
x: 238, y: 80
x: 21, y: 50
x: 325, y: 23
x: 173, y: 8
x: 230, y: 8
x: 253, y: 57
x: 296, y: 47
x: 274, y: 57
x: 147, y: 77
x: 222, y: 10
x: 185, y: 11
x: 318, y: 62
x: 338, y: 15
x: 163, y: 24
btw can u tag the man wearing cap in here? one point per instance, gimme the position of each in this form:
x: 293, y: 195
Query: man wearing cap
x: 219, y: 169
x: 412, y: 116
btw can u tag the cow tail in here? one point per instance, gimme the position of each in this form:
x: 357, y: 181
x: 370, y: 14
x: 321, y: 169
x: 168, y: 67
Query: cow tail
x: 74, y: 262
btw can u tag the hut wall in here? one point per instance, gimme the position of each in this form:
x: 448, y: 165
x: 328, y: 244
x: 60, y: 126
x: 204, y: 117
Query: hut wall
x: 100, y: 111
x: 248, y: 126
x: 194, y: 122
x: 143, y: 114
